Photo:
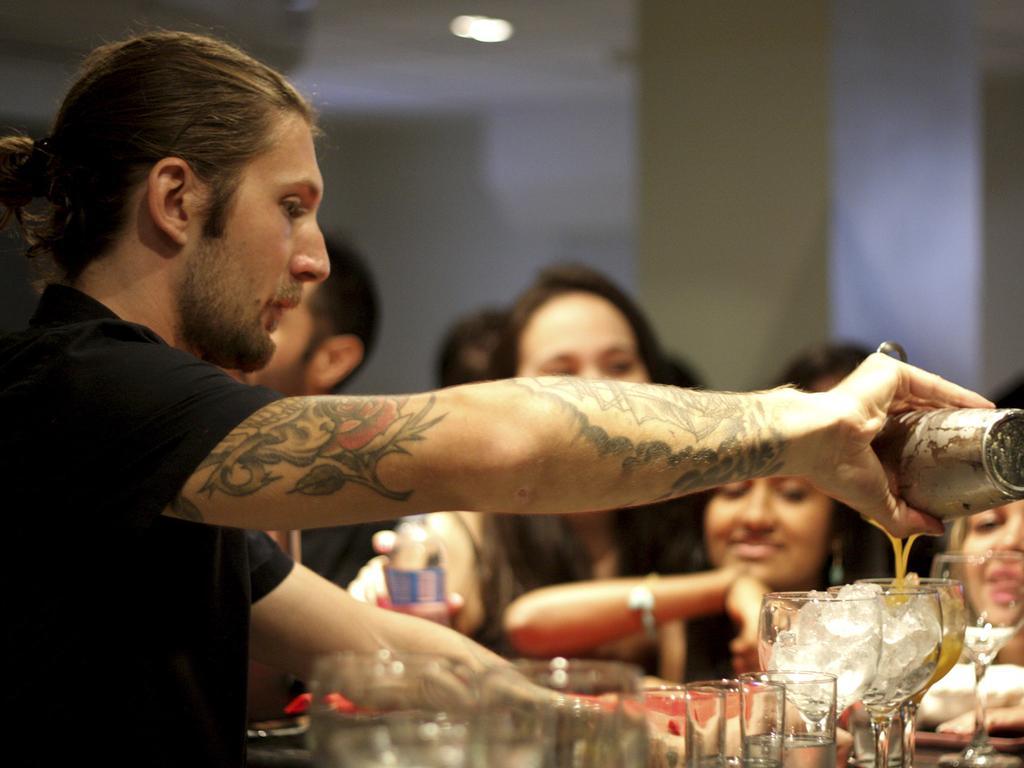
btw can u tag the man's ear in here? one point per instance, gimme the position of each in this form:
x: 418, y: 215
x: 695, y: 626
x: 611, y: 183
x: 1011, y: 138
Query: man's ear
x: 173, y: 198
x: 332, y: 361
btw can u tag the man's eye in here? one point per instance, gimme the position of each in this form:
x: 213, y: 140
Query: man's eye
x: 293, y: 208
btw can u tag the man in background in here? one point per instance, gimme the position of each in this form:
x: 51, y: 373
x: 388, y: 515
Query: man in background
x: 320, y: 345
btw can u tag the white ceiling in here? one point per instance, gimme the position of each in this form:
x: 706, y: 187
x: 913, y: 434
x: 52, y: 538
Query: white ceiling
x: 373, y: 55
x: 352, y: 55
x: 398, y: 53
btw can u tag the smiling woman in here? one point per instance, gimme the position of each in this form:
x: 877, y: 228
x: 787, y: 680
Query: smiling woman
x: 782, y: 530
x: 778, y: 529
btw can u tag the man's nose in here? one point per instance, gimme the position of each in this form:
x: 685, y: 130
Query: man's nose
x: 312, y: 264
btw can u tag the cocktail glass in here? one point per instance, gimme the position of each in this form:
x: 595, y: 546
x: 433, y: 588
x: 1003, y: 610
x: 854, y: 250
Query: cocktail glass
x: 818, y: 632
x: 954, y: 617
x: 994, y: 600
x: 911, y: 641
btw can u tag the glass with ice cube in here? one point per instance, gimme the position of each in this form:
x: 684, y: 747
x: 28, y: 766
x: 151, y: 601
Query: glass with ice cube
x: 840, y: 634
x: 911, y: 642
x: 951, y: 598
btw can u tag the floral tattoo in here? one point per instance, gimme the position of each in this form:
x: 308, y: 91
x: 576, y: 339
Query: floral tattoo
x: 731, y: 436
x: 340, y: 440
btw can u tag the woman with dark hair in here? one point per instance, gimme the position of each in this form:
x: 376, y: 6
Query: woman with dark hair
x: 572, y: 321
x: 783, y: 530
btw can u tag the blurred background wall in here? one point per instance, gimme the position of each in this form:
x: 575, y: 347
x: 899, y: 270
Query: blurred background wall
x: 763, y: 176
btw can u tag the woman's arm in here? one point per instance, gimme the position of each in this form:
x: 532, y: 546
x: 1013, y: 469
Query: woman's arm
x: 575, y: 618
x: 997, y: 718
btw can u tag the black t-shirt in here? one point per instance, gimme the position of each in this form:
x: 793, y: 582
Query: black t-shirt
x: 126, y: 631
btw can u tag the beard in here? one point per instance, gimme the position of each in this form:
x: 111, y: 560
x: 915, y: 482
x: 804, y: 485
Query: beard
x: 219, y: 311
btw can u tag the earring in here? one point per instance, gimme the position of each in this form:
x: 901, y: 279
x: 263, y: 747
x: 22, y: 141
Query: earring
x: 836, y: 575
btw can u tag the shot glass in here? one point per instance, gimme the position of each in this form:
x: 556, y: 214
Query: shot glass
x: 809, y: 722
x: 762, y: 723
x: 713, y: 732
x: 665, y: 709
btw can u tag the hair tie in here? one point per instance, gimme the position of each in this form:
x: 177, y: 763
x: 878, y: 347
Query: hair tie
x: 38, y: 167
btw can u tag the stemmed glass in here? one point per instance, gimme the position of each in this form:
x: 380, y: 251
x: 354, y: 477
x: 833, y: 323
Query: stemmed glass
x: 951, y: 600
x: 994, y: 599
x: 819, y: 632
x: 911, y: 641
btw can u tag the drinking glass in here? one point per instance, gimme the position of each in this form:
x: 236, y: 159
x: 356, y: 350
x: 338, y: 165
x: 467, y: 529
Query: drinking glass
x: 808, y: 736
x: 713, y: 738
x: 665, y: 709
x: 911, y: 641
x: 840, y: 634
x: 763, y: 721
x: 402, y: 710
x: 994, y: 599
x: 563, y: 712
x: 951, y: 601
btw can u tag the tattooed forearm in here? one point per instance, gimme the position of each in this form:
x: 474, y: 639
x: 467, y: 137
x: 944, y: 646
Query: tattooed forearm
x: 340, y: 440
x: 727, y: 436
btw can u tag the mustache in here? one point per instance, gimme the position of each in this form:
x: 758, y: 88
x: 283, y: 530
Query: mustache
x: 290, y: 294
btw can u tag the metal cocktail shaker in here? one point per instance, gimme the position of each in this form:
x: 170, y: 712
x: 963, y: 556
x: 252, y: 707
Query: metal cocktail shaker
x: 955, y: 462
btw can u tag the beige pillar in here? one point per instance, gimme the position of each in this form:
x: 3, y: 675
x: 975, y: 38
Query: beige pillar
x: 732, y: 138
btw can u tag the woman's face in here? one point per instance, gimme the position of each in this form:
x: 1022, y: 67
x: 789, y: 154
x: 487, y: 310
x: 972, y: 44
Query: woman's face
x: 777, y: 529
x: 1001, y: 528
x: 996, y: 587
x: 580, y: 334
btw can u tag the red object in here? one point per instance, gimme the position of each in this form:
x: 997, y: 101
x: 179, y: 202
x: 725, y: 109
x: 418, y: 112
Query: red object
x: 300, y: 704
x: 339, y: 703
x: 674, y: 729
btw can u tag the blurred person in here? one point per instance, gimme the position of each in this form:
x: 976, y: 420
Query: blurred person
x: 318, y: 346
x: 818, y: 369
x: 681, y: 373
x: 572, y: 321
x: 999, y: 529
x: 177, y: 199
x: 782, y: 531
x: 468, y: 344
x: 1012, y: 395
x: 330, y: 335
x: 822, y: 366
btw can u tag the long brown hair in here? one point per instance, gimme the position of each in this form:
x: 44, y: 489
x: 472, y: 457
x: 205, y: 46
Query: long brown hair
x: 525, y: 552
x: 162, y: 94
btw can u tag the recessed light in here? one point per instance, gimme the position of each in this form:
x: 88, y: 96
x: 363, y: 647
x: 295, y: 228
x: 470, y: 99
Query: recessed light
x: 483, y: 29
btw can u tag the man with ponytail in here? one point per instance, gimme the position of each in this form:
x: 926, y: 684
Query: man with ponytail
x: 173, y: 209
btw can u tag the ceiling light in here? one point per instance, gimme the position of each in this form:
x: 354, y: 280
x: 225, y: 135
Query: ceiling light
x: 483, y: 29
